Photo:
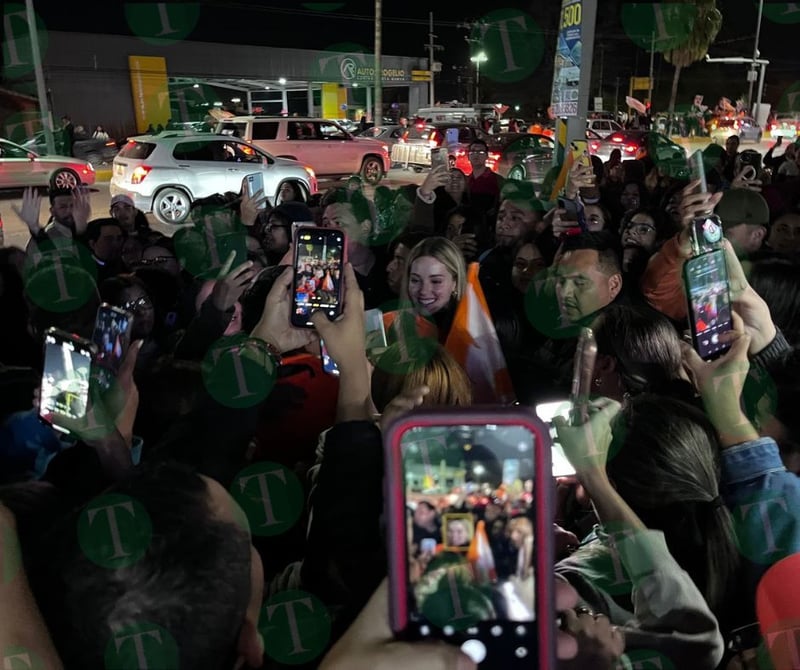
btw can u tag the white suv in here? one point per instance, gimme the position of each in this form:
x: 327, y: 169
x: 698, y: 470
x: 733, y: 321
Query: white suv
x: 165, y: 173
x: 324, y: 145
x: 603, y: 127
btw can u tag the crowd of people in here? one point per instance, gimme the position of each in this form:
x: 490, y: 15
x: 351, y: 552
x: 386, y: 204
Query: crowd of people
x: 230, y: 474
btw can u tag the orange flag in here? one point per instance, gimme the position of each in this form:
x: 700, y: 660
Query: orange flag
x: 480, y: 556
x: 474, y: 344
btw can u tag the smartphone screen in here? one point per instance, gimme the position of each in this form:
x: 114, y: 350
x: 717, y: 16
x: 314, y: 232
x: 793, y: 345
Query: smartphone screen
x: 255, y: 183
x: 318, y: 263
x: 472, y: 505
x: 580, y: 152
x: 65, y: 380
x: 706, y: 234
x: 439, y: 157
x: 112, y: 337
x: 546, y: 412
x: 706, y: 279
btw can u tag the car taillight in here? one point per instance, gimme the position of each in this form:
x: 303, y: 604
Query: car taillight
x: 631, y: 149
x: 138, y: 175
x: 736, y: 125
x: 494, y: 157
x: 111, y: 144
x: 594, y: 146
x: 310, y: 172
x: 616, y: 138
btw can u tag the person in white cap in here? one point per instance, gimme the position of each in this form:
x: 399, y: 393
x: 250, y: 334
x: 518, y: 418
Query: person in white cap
x: 132, y: 220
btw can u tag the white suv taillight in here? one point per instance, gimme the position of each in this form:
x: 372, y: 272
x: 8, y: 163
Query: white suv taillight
x: 138, y: 175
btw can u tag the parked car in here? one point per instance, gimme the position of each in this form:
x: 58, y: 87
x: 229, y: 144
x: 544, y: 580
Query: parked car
x: 21, y: 167
x: 671, y: 157
x: 95, y: 151
x: 603, y: 127
x: 746, y: 127
x: 165, y: 173
x: 388, y: 134
x: 523, y: 156
x: 785, y: 125
x: 325, y: 145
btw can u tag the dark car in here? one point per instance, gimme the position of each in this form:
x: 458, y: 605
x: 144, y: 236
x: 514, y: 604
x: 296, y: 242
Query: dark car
x: 89, y: 149
x: 523, y: 156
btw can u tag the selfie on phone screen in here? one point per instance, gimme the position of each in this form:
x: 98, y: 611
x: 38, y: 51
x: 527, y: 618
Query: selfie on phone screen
x: 65, y: 381
x: 709, y: 298
x: 319, y: 257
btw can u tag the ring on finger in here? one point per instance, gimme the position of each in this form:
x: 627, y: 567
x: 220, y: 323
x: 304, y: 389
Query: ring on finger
x: 584, y: 610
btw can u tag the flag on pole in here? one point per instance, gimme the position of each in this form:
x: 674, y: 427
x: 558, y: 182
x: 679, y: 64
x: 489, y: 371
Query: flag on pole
x: 480, y: 556
x: 474, y: 344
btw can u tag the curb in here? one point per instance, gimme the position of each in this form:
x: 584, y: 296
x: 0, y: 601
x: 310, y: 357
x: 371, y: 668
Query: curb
x: 103, y: 174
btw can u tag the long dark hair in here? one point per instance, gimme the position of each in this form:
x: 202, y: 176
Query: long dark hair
x: 667, y: 468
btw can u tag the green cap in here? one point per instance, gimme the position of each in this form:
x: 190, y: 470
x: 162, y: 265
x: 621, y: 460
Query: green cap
x: 741, y: 205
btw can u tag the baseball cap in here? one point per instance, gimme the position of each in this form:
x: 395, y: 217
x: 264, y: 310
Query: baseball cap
x: 741, y: 205
x: 121, y: 198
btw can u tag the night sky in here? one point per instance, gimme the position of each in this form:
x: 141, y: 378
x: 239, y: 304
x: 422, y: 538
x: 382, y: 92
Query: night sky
x: 405, y: 31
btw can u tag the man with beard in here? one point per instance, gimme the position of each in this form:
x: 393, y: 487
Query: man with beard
x: 69, y: 213
x: 642, y: 233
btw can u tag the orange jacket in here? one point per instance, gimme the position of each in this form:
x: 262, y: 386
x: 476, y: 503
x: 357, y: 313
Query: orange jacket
x: 662, y: 282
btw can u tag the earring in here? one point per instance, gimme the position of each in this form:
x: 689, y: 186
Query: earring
x: 597, y: 382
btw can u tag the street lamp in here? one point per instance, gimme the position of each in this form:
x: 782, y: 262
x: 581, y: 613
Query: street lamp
x: 478, y: 58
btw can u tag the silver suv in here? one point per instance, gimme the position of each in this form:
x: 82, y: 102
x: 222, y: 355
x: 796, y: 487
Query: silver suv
x: 325, y: 145
x: 165, y: 173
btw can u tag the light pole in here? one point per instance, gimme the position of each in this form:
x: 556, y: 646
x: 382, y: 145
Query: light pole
x: 753, y: 68
x: 478, y: 58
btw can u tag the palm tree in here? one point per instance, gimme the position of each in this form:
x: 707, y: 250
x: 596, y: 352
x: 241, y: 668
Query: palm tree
x: 706, y: 25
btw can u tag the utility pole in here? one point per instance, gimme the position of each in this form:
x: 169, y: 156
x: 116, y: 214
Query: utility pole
x: 602, y: 63
x: 616, y: 100
x: 652, y: 60
x: 377, y: 114
x: 753, y: 69
x: 432, y: 49
x: 41, y: 91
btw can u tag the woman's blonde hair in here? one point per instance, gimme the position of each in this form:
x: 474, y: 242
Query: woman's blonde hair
x: 446, y: 379
x: 444, y: 251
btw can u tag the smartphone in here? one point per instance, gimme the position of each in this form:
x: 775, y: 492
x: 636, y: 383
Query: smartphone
x: 328, y: 364
x: 706, y: 234
x: 575, y: 212
x: 65, y: 380
x: 547, y: 411
x: 375, y: 335
x: 450, y: 462
x: 705, y: 279
x: 751, y: 158
x: 319, y: 258
x: 580, y: 152
x: 111, y: 337
x: 439, y: 157
x: 698, y: 170
x: 254, y: 183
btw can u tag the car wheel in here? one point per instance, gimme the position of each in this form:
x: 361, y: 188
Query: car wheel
x: 417, y: 169
x: 517, y: 172
x: 372, y: 170
x: 451, y: 161
x: 65, y: 179
x: 171, y: 205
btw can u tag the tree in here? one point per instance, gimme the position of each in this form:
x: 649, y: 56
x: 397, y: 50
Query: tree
x: 706, y: 25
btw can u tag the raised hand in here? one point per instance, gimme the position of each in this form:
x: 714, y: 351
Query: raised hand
x: 438, y: 176
x: 691, y: 206
x: 31, y: 210
x: 586, y: 445
x: 81, y: 209
x: 250, y: 207
x: 229, y: 288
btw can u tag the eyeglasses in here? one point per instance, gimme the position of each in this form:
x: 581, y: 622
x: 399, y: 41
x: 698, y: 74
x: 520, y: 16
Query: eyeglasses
x: 135, y: 305
x: 640, y: 229
x: 477, y: 152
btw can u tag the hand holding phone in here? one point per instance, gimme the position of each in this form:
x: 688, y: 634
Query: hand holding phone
x: 439, y: 158
x: 465, y: 457
x: 254, y: 185
x: 710, y: 313
x: 573, y: 211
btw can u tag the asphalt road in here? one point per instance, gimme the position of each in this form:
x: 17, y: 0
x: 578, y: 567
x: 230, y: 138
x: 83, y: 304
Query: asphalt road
x: 16, y: 233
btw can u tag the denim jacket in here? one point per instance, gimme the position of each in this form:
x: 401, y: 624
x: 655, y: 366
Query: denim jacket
x: 764, y: 500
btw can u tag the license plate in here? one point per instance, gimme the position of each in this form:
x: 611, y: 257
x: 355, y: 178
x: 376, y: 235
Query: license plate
x: 119, y: 170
